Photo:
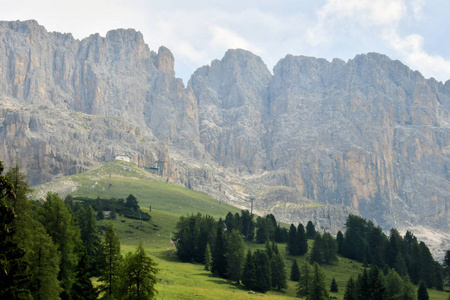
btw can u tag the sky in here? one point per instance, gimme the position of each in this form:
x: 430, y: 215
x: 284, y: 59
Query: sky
x: 199, y: 31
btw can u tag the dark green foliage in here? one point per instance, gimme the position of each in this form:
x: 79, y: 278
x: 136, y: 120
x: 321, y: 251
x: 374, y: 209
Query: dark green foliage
x: 13, y: 266
x: 248, y: 225
x: 333, y: 286
x: 235, y: 256
x: 262, y: 272
x: 316, y: 255
x: 82, y: 288
x: 329, y: 249
x: 138, y: 276
x: 422, y: 293
x: 113, y: 214
x: 295, y: 271
x: 100, y: 215
x: 192, y: 235
x: 446, y: 266
x: 351, y: 292
x: 291, y: 239
x: 340, y: 241
x: 44, y: 261
x: 427, y: 270
x: 398, y: 288
x: 377, y: 284
x: 265, y: 228
x: 113, y: 204
x: 229, y: 221
x: 60, y: 225
x: 281, y: 234
x: 109, y: 275
x: 132, y: 202
x: 317, y: 290
x: 208, y: 257
x: 249, y: 275
x: 219, y: 260
x: 324, y: 250
x: 310, y: 230
x: 297, y: 243
x: 367, y: 243
x: 91, y: 238
x: 304, y: 283
x: 278, y: 277
x: 301, y: 241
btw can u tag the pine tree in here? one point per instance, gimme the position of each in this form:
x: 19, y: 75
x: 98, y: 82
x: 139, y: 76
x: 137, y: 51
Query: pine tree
x: 12, y: 263
x: 112, y: 261
x: 350, y: 290
x: 44, y: 265
x: 364, y: 291
x: 377, y: 284
x: 329, y: 249
x: 208, y: 258
x: 278, y: 272
x: 301, y: 241
x: 318, y: 290
x: 235, y: 256
x: 316, y: 255
x: 138, y: 276
x: 262, y: 271
x: 82, y: 288
x: 248, y: 225
x: 91, y: 239
x: 446, y: 265
x: 310, y: 230
x: 295, y: 271
x: 422, y: 293
x: 219, y: 260
x: 340, y: 241
x: 334, y: 286
x: 60, y: 225
x: 248, y: 275
x: 304, y: 283
x: 291, y: 239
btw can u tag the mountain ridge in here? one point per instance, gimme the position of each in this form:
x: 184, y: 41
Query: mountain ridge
x: 368, y: 135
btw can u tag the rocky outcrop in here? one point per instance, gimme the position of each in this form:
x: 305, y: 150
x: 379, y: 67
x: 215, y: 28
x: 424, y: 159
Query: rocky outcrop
x: 314, y: 140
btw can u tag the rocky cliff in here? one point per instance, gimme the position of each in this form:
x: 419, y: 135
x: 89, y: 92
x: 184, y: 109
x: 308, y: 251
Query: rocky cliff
x: 314, y: 139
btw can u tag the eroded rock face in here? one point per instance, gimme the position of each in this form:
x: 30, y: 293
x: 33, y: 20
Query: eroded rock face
x: 316, y: 139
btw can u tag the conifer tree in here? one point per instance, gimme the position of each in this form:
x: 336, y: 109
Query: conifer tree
x: 377, y: 284
x: 292, y: 235
x: 219, y: 260
x: 316, y: 255
x: 363, y: 286
x: 304, y: 283
x: 138, y: 276
x: 44, y: 265
x: 329, y: 248
x: 422, y: 293
x: 340, y: 241
x: 208, y: 257
x: 248, y: 275
x: 60, y: 225
x: 262, y: 271
x: 278, y: 277
x: 111, y: 266
x: 334, y: 286
x: 295, y: 271
x: 350, y: 290
x: 82, y: 288
x: 318, y: 290
x: 310, y: 230
x: 301, y: 241
x: 91, y: 239
x: 235, y: 256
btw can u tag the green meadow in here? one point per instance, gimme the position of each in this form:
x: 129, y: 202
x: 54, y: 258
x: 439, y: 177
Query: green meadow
x: 182, y: 280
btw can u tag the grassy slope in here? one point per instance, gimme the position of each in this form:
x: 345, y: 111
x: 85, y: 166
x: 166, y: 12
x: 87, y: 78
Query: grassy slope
x: 181, y: 280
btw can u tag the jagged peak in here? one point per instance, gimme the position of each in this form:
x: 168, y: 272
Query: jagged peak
x: 165, y: 60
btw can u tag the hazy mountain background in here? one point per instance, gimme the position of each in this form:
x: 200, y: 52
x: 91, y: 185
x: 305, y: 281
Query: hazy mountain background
x: 312, y: 140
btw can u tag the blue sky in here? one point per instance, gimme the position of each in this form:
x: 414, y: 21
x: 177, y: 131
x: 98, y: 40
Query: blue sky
x: 197, y: 32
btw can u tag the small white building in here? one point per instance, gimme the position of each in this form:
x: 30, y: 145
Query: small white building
x: 123, y: 158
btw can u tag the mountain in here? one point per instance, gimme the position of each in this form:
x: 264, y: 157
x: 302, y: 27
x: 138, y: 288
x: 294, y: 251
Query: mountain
x: 312, y: 140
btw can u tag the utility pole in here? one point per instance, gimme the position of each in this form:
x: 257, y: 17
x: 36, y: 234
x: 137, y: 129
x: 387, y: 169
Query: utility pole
x: 251, y: 207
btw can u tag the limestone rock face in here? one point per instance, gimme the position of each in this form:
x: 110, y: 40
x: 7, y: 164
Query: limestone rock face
x: 314, y: 140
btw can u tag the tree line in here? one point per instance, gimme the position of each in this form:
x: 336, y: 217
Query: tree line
x: 51, y: 249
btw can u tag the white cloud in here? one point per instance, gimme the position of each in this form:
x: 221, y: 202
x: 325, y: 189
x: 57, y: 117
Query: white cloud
x: 225, y: 38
